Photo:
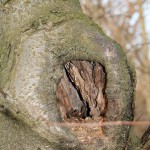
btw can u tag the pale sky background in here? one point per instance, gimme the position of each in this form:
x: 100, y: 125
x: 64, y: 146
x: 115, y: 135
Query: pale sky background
x: 147, y: 20
x: 146, y: 9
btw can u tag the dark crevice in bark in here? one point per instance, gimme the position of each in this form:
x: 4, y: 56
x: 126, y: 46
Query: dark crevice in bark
x: 146, y: 136
x: 7, y: 112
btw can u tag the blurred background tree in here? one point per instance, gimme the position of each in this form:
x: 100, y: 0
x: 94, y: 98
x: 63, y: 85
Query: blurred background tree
x: 127, y: 23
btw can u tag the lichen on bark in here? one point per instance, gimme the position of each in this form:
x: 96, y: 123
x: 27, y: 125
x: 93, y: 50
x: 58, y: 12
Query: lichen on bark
x: 38, y: 39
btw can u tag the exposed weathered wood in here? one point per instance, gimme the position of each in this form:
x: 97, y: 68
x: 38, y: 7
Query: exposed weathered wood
x: 70, y: 102
x: 82, y: 89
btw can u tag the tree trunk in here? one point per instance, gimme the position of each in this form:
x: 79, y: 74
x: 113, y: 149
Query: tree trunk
x: 37, y: 39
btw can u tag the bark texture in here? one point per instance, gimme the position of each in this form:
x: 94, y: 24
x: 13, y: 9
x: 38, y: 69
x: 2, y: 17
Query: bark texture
x: 37, y: 39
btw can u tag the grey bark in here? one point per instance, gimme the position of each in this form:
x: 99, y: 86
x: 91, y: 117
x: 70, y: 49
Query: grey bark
x: 37, y: 39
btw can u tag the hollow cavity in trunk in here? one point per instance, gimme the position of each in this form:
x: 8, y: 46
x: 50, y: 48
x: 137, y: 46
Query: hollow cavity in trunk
x: 81, y: 90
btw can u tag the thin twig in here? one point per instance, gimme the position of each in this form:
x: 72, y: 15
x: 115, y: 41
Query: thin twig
x: 109, y: 123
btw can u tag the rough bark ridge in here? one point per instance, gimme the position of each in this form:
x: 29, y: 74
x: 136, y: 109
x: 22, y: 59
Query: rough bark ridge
x: 37, y: 39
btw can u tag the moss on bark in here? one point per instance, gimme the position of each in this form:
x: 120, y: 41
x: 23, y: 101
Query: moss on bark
x: 38, y: 38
